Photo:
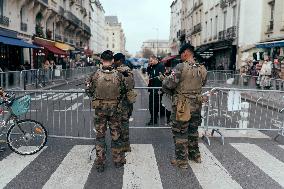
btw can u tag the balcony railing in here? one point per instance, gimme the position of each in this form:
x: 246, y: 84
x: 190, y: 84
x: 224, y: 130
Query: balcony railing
x: 24, y: 27
x: 71, y: 17
x: 197, y: 28
x: 58, y: 37
x: 87, y: 28
x: 222, y: 35
x: 230, y: 33
x: 4, y: 20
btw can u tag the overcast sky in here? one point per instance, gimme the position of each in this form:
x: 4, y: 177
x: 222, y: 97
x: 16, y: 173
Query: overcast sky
x: 139, y: 19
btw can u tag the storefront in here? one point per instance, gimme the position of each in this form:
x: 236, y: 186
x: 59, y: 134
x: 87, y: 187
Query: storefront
x: 11, y: 50
x: 48, y: 51
x: 218, y: 55
x: 275, y: 50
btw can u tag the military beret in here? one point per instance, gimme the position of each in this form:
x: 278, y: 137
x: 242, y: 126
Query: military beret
x: 119, y: 56
x: 186, y: 46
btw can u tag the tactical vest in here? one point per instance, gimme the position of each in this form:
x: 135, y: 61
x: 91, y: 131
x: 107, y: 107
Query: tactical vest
x: 192, y: 79
x: 128, y: 80
x: 107, y: 85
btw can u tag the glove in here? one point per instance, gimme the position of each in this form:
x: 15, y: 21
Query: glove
x: 161, y: 77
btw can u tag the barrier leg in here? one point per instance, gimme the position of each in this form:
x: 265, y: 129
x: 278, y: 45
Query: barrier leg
x: 206, y: 138
x: 91, y: 153
x: 221, y: 135
x: 280, y: 133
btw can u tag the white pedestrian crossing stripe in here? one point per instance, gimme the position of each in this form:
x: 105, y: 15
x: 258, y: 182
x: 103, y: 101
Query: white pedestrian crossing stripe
x: 71, y: 108
x: 141, y: 170
x: 11, y: 166
x: 210, y: 173
x: 73, y: 96
x: 73, y: 171
x: 57, y: 96
x: 262, y: 159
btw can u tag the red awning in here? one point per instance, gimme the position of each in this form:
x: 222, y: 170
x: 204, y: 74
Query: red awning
x: 51, y: 48
x: 166, y: 59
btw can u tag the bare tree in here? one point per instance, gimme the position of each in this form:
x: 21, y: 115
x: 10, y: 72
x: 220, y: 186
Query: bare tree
x: 147, y: 53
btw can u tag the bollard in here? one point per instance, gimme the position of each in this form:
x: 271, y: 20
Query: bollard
x: 244, y: 113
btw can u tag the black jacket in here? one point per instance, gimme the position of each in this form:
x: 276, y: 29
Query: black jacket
x: 153, y: 73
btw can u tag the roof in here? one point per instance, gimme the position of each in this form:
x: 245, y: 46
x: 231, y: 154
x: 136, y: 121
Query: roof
x: 111, y: 19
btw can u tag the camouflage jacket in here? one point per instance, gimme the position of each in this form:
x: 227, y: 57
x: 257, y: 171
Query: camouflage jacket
x: 91, y: 84
x: 185, y: 78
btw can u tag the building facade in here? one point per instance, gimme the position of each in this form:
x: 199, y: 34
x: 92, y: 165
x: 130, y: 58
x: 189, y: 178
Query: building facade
x: 115, y: 37
x: 63, y: 21
x: 225, y: 32
x: 175, y: 26
x: 98, y: 43
x: 157, y: 47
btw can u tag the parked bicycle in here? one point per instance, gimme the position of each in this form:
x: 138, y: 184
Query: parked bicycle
x: 25, y: 137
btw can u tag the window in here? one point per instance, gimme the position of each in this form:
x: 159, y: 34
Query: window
x: 21, y: 15
x: 112, y: 33
x: 272, y: 10
x: 206, y: 34
x: 216, y: 25
x: 1, y: 7
x: 234, y: 15
x: 225, y: 20
x: 107, y: 45
x: 113, y: 46
x: 211, y: 27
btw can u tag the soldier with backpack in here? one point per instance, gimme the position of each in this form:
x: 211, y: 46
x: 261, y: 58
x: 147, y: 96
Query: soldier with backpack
x: 107, y: 87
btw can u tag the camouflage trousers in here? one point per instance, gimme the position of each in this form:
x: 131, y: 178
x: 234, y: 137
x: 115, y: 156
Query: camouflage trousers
x: 185, y: 135
x: 102, y: 119
x: 126, y: 114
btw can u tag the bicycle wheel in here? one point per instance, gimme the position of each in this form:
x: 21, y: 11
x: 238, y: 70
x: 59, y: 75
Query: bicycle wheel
x: 27, y: 137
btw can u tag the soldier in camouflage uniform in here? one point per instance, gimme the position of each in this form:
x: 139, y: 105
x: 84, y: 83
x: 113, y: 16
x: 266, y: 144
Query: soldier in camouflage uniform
x: 185, y: 84
x: 107, y: 87
x: 127, y: 100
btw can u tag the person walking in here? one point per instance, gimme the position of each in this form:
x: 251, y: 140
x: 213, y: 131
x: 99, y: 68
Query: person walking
x: 185, y: 83
x: 107, y: 87
x: 154, y: 70
x: 128, y: 99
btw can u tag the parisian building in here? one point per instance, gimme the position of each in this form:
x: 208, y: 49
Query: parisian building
x: 115, y: 37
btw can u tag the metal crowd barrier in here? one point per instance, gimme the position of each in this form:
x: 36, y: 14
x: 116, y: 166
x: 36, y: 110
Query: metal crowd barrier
x: 40, y: 77
x: 68, y: 113
x: 219, y: 79
x: 243, y: 110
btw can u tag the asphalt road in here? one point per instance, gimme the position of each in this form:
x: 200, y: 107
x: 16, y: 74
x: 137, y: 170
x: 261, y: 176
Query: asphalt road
x: 247, y: 160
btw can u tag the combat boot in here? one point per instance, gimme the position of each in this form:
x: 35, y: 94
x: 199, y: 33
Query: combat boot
x: 127, y: 149
x: 196, y: 158
x: 179, y: 164
x: 119, y: 164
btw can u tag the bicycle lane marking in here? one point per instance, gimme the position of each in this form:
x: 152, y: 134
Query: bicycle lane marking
x: 12, y: 165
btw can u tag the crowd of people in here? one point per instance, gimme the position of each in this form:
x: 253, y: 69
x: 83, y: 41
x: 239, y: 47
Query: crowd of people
x: 263, y: 71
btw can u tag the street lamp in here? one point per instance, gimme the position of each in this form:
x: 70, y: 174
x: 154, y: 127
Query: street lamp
x: 157, y: 29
